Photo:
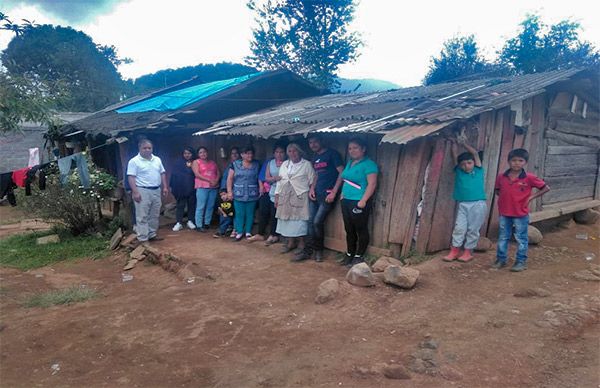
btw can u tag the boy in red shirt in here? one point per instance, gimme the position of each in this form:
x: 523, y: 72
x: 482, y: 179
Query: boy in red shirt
x: 514, y: 194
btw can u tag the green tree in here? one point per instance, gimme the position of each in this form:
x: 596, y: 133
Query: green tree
x: 458, y: 59
x: 63, y: 55
x: 308, y: 37
x: 539, y: 47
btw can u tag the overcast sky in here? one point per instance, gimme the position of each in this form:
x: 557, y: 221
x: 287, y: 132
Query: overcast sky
x: 400, y: 37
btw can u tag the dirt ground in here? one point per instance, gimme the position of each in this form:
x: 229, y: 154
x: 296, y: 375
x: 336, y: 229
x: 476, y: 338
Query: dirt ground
x: 250, y: 321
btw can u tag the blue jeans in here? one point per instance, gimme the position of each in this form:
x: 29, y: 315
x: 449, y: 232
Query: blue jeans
x: 520, y: 225
x: 243, y: 218
x: 205, y: 206
x: 224, y: 224
x: 319, y: 210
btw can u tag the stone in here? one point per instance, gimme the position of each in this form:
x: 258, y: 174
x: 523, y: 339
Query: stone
x: 116, y: 238
x: 169, y: 210
x: 360, y: 275
x: 587, y: 216
x: 138, y: 253
x: 129, y: 240
x: 417, y: 365
x: 424, y: 354
x: 383, y: 262
x: 532, y: 292
x: 130, y: 265
x: 535, y: 236
x: 402, y: 277
x: 484, y: 244
x: 429, y: 344
x: 396, y: 372
x: 451, y: 374
x: 586, y: 275
x: 327, y: 291
x: 51, y: 239
x: 566, y: 224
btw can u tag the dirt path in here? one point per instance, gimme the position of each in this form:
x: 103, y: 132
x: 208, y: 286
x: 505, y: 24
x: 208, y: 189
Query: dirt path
x: 251, y: 321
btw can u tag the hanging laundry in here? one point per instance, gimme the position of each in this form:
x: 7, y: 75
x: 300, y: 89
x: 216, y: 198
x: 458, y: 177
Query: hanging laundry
x: 34, y: 157
x: 19, y: 176
x: 64, y: 165
x: 41, y: 177
x: 7, y: 187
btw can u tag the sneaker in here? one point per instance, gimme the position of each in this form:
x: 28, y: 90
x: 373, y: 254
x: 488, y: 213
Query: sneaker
x: 191, y: 225
x: 346, y: 260
x: 218, y: 235
x: 498, y: 264
x: 206, y: 227
x: 249, y: 236
x: 518, y: 267
x: 239, y: 237
x: 233, y: 234
x: 357, y: 259
x: 177, y: 227
x: 319, y: 256
x: 201, y: 230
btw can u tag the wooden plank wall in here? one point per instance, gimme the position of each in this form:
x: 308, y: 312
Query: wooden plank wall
x: 571, y: 170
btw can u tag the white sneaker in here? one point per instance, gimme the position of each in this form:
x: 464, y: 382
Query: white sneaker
x: 177, y: 227
x: 191, y: 225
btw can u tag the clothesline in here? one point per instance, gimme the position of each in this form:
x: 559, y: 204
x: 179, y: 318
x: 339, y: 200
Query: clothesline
x: 112, y: 140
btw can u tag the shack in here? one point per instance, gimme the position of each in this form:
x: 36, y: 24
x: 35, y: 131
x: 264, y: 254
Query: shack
x: 171, y: 115
x: 555, y: 115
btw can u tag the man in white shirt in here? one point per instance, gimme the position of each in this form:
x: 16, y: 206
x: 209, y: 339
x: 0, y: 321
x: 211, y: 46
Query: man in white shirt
x: 146, y: 175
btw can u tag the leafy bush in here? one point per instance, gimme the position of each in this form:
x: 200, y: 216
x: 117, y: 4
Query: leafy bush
x: 72, y: 205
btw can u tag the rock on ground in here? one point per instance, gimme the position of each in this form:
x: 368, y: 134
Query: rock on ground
x: 532, y: 292
x: 566, y: 224
x: 535, y: 236
x: 360, y: 275
x: 383, y: 262
x: 116, y: 238
x: 327, y: 291
x: 403, y: 277
x: 53, y: 238
x: 587, y: 216
x: 138, y: 253
x: 484, y: 244
x: 396, y: 371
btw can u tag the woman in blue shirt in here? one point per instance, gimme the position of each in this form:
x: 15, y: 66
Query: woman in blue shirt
x: 359, y: 183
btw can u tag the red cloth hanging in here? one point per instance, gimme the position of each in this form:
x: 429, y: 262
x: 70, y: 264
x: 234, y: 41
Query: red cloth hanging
x: 19, y: 176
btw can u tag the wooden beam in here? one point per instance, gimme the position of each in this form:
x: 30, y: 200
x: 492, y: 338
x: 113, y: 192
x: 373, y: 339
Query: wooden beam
x: 573, y: 139
x: 556, y: 210
x: 388, y: 157
x: 582, y: 127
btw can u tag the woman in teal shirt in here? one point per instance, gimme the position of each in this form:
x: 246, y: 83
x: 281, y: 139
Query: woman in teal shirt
x: 360, y: 182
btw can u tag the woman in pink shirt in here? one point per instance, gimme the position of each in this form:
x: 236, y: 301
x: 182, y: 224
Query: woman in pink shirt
x: 206, y: 184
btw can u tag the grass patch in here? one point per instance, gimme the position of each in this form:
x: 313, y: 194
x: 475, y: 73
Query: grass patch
x: 22, y: 252
x: 414, y: 257
x: 73, y: 294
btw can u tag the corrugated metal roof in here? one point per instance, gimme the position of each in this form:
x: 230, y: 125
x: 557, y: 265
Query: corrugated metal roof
x: 422, y: 107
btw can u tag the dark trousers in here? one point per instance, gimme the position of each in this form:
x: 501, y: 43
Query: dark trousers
x: 266, y: 216
x: 225, y: 223
x: 357, y: 227
x: 190, y: 201
x: 319, y: 210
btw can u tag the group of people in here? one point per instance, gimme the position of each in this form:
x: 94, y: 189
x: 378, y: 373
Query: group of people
x: 294, y: 195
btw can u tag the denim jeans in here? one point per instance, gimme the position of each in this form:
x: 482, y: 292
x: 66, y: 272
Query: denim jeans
x: 205, y: 206
x: 319, y: 210
x: 64, y: 166
x: 520, y: 225
x: 225, y: 223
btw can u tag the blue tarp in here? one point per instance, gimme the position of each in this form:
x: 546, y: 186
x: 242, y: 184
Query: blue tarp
x: 182, y: 97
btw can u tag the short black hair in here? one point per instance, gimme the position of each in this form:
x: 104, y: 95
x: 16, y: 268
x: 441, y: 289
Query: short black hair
x: 519, y: 153
x: 234, y: 148
x: 314, y: 135
x: 190, y: 150
x: 281, y: 145
x: 465, y: 156
x: 357, y: 140
x: 248, y: 148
